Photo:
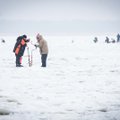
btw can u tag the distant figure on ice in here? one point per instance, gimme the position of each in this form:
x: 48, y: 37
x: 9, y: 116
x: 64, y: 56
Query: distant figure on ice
x: 95, y: 40
x: 107, y: 40
x: 42, y: 44
x: 72, y: 41
x: 113, y: 40
x: 118, y: 37
x: 3, y: 41
x: 19, y: 49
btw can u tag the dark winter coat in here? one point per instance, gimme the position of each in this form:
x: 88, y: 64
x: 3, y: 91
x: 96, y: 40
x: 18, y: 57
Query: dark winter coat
x: 20, y: 45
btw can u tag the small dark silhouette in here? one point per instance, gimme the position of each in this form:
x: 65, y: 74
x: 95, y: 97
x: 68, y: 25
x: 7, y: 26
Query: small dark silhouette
x: 118, y: 37
x: 107, y: 40
x: 95, y: 40
x: 3, y: 41
x: 113, y: 40
x: 72, y: 41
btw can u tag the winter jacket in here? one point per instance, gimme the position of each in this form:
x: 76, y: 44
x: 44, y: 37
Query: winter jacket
x: 43, y: 46
x: 19, y: 47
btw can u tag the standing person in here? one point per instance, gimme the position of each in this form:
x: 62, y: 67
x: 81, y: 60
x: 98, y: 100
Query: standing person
x: 42, y: 44
x: 118, y: 37
x: 107, y: 40
x: 95, y: 40
x: 19, y: 49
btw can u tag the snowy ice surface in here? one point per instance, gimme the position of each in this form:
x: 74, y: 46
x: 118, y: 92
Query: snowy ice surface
x: 81, y: 81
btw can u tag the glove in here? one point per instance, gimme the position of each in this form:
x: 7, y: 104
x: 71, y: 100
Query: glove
x: 28, y: 40
x: 35, y: 45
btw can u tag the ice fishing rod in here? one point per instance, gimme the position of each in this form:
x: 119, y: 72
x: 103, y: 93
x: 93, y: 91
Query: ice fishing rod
x: 29, y: 61
x: 32, y: 56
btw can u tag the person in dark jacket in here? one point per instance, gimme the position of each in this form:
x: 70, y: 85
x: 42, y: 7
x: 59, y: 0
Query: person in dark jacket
x: 95, y: 40
x: 19, y: 49
x: 118, y: 37
x: 107, y: 40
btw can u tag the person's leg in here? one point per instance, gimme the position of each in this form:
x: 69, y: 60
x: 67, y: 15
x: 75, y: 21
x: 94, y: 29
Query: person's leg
x: 21, y: 60
x: 44, y: 58
x: 17, y: 60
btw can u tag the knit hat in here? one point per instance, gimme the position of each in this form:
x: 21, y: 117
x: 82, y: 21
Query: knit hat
x: 24, y: 36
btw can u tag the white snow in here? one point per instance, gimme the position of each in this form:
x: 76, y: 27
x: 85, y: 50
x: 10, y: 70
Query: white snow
x: 81, y: 81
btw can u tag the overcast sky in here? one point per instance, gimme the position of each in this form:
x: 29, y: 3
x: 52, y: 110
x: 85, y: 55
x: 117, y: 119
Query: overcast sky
x: 74, y: 14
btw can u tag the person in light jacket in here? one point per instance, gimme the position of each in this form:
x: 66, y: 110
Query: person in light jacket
x: 42, y: 44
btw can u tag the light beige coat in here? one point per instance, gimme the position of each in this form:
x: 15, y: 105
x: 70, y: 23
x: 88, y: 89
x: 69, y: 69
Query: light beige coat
x: 43, y: 46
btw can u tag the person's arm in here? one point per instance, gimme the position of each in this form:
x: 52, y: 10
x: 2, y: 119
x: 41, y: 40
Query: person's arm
x: 36, y: 45
x: 28, y: 40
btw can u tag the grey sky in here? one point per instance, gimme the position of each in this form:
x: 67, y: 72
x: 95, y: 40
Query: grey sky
x: 59, y: 11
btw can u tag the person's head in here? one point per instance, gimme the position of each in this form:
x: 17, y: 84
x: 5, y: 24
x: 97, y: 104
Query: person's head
x: 38, y: 37
x: 24, y: 36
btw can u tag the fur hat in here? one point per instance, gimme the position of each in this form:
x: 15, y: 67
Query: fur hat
x: 38, y: 36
